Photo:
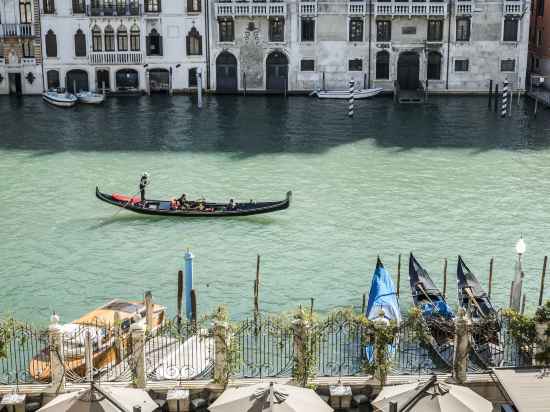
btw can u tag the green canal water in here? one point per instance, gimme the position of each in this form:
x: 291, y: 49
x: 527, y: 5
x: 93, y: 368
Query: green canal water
x: 443, y: 179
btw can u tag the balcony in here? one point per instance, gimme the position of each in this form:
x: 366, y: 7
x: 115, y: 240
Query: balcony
x: 513, y: 8
x: 250, y: 9
x: 357, y: 8
x: 464, y: 8
x: 115, y: 58
x: 308, y: 8
x: 410, y: 9
x: 129, y: 9
x: 15, y: 30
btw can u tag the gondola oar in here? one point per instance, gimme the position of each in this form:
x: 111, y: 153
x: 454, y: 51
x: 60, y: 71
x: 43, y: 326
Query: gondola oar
x: 421, y: 287
x: 468, y: 291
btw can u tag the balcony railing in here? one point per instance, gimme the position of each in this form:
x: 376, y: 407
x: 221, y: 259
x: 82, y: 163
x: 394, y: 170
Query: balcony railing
x: 115, y: 58
x: 410, y: 9
x: 357, y: 8
x: 464, y: 8
x: 15, y: 30
x: 308, y: 8
x: 130, y: 9
x: 236, y: 9
x: 513, y: 7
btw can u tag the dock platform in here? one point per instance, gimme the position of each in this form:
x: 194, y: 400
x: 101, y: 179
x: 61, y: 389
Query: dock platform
x: 540, y: 94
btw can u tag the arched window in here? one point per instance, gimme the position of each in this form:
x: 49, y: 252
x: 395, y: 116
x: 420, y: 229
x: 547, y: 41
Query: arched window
x: 109, y: 39
x: 122, y: 39
x: 434, y: 66
x: 154, y: 43
x: 194, y: 43
x: 96, y: 39
x: 79, y: 44
x: 51, y: 44
x: 53, y: 79
x: 134, y: 38
x: 383, y: 65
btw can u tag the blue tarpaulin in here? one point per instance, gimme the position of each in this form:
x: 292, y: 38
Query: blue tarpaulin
x: 439, y: 307
x: 383, y: 296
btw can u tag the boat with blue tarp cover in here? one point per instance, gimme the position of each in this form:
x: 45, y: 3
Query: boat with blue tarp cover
x: 475, y: 301
x: 382, y: 302
x: 434, y: 310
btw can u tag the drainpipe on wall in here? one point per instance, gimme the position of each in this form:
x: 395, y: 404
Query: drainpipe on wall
x: 370, y: 38
x: 207, y: 32
x: 450, y: 5
x: 39, y: 17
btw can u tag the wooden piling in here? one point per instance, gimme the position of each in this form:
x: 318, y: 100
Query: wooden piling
x: 149, y: 310
x: 257, y: 290
x: 536, y: 105
x: 490, y: 93
x: 496, y: 97
x: 542, y: 276
x: 364, y: 303
x: 193, y: 307
x: 445, y: 279
x: 511, y: 292
x: 490, y: 286
x: 180, y: 298
x: 312, y: 302
x: 523, y: 304
x: 398, y: 273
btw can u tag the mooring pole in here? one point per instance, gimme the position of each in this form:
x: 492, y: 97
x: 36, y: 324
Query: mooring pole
x: 542, y: 276
x: 363, y: 304
x: 180, y: 298
x: 490, y: 277
x: 351, y: 92
x: 504, y: 106
x: 445, y: 279
x: 193, y: 307
x: 257, y: 292
x: 496, y: 96
x: 324, y: 88
x: 199, y: 88
x: 398, y: 273
x: 244, y: 83
x: 490, y: 93
x: 536, y: 105
x: 523, y: 304
x: 312, y: 302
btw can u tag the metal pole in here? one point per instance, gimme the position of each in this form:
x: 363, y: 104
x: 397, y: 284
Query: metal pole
x: 199, y: 88
x: 351, y: 93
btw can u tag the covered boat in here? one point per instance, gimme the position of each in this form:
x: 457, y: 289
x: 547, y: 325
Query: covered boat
x: 344, y: 94
x: 486, y: 334
x: 382, y: 302
x: 435, y: 311
x: 59, y: 98
x: 100, y: 325
x: 90, y: 97
x: 197, y: 208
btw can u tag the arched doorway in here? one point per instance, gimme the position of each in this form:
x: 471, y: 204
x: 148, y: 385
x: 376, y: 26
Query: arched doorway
x: 76, y: 81
x: 408, y: 68
x: 277, y: 71
x: 103, y: 82
x: 159, y: 80
x: 127, y: 80
x: 226, y: 72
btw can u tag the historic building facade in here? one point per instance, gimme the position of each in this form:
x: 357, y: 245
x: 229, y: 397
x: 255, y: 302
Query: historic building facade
x: 20, y: 52
x: 539, y: 41
x: 454, y: 45
x: 123, y: 45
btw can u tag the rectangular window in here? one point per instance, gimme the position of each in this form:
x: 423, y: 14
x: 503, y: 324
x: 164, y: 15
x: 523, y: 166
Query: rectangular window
x: 462, y: 65
x: 193, y: 6
x: 383, y: 30
x: 355, y: 65
x: 540, y: 8
x: 539, y: 38
x: 78, y: 7
x: 28, y: 49
x: 435, y: 30
x: 508, y: 65
x: 382, y: 65
x: 356, y: 29
x: 192, y: 77
x: 96, y: 41
x: 134, y: 40
x: 25, y: 13
x: 408, y: 30
x: 227, y: 29
x: 308, y: 29
x: 152, y: 6
x: 276, y: 29
x: 463, y: 29
x: 122, y: 40
x: 109, y: 41
x: 510, y: 29
x: 1, y: 52
x: 307, y: 65
x: 48, y: 6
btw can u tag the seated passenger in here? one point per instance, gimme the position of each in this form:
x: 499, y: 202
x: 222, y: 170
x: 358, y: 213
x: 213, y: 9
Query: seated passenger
x: 230, y: 205
x: 183, y: 201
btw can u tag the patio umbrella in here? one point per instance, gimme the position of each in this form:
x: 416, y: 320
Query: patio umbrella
x: 431, y: 396
x: 101, y: 399
x: 269, y: 398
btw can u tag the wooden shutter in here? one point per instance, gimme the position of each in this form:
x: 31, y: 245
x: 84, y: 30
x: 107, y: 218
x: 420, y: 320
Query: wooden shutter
x: 148, y: 45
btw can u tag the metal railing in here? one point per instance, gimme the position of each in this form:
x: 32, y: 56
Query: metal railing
x: 115, y: 58
x: 513, y: 7
x: 16, y: 30
x: 129, y: 9
x: 251, y: 9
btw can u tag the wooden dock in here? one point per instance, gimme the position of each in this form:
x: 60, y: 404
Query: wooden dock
x: 540, y: 94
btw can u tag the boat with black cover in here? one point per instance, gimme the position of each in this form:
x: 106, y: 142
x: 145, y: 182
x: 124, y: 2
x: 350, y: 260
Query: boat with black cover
x: 197, y: 208
x: 474, y: 300
x: 435, y: 312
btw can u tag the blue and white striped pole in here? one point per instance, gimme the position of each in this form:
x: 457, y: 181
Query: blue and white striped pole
x: 188, y: 283
x: 351, y: 93
x: 504, y: 108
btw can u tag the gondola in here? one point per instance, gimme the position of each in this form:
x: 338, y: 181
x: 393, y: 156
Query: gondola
x: 472, y: 298
x: 193, y: 208
x: 435, y: 312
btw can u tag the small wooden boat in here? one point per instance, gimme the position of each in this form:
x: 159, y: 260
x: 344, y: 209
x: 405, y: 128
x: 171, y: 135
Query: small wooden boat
x: 59, y: 98
x: 435, y: 312
x: 472, y: 298
x: 344, y: 94
x: 100, y: 324
x: 90, y: 97
x: 197, y: 208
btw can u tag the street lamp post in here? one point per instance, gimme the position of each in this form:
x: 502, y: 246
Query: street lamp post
x: 517, y: 284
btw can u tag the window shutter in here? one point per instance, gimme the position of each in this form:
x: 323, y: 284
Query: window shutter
x: 188, y: 44
x: 160, y: 46
x: 148, y: 45
x: 200, y: 44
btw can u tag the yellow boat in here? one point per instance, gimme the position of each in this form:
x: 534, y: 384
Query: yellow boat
x: 102, y: 325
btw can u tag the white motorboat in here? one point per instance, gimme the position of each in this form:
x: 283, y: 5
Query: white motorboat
x: 59, y: 98
x: 344, y: 94
x: 90, y: 97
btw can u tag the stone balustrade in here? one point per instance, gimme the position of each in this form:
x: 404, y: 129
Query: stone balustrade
x: 115, y: 58
x: 16, y: 30
x: 250, y: 9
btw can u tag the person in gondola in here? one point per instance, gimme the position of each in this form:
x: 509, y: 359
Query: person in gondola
x: 231, y: 205
x: 183, y: 201
x: 143, y: 182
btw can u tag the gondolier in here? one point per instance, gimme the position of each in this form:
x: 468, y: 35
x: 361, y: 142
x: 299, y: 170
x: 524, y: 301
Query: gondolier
x: 144, y: 181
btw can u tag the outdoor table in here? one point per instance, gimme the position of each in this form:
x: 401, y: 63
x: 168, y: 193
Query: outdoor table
x: 178, y: 400
x: 340, y: 396
x: 16, y: 400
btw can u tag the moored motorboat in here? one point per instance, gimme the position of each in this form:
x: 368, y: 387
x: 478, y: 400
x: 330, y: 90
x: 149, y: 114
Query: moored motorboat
x: 90, y: 97
x: 59, y: 98
x: 486, y: 332
x: 198, y: 208
x: 382, y: 304
x: 345, y: 94
x: 434, y: 310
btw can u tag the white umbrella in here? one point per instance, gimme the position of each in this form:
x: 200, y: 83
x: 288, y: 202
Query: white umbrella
x: 101, y: 399
x: 431, y: 396
x: 269, y: 398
